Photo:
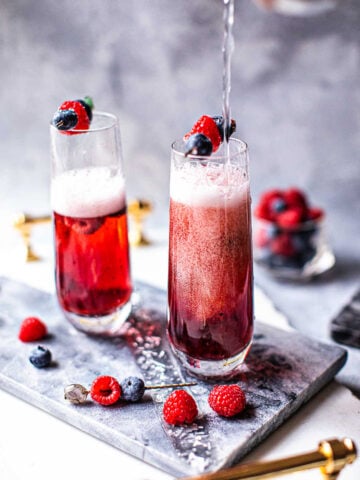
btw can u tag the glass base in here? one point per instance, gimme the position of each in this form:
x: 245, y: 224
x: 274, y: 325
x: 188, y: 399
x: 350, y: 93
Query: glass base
x: 322, y: 262
x: 109, y: 325
x: 212, y: 369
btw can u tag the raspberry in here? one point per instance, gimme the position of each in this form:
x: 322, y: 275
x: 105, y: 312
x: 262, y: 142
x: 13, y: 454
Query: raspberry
x: 263, y: 212
x: 84, y: 226
x: 105, y: 390
x: 283, y: 245
x: 31, y: 329
x: 295, y: 198
x: 261, y: 238
x: 315, y: 213
x: 207, y: 126
x: 269, y: 205
x: 290, y: 218
x: 271, y: 195
x: 227, y: 400
x: 179, y: 408
x: 83, y: 121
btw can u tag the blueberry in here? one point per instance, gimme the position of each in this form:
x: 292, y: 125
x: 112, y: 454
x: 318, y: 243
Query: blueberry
x: 299, y: 242
x: 198, y: 144
x: 308, y: 254
x: 219, y: 120
x: 65, y: 119
x: 40, y: 357
x: 278, y: 205
x: 281, y: 261
x: 132, y: 389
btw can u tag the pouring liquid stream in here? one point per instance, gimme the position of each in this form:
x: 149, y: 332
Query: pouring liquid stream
x: 228, y: 48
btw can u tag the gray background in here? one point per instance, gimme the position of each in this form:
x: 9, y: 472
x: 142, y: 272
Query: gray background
x: 157, y: 65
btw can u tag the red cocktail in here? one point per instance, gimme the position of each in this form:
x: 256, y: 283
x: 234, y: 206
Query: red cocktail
x: 92, y: 266
x: 210, y: 290
x: 92, y: 263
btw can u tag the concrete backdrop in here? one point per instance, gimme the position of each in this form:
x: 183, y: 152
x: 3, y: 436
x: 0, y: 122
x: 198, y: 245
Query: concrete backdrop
x: 157, y: 65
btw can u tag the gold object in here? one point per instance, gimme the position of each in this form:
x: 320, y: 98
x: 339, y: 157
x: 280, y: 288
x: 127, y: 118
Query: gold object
x: 138, y: 211
x: 330, y: 457
x: 24, y: 223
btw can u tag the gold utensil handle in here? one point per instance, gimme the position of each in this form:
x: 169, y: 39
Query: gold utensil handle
x: 24, y: 223
x: 330, y: 457
x: 139, y: 210
x: 24, y: 220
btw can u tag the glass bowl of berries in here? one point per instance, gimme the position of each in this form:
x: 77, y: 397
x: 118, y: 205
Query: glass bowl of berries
x: 289, y: 236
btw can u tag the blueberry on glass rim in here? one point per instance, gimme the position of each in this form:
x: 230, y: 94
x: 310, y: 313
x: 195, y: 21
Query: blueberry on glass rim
x: 198, y: 144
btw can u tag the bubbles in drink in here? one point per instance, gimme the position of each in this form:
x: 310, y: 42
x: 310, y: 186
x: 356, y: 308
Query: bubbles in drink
x: 88, y: 192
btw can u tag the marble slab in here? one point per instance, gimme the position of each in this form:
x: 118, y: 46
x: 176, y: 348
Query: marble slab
x: 345, y: 327
x: 283, y: 371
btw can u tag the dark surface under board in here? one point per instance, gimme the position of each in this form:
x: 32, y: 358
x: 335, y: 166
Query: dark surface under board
x: 283, y: 370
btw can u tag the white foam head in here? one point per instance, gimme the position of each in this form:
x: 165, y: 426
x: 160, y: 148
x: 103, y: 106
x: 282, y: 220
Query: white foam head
x: 88, y: 192
x: 209, y: 186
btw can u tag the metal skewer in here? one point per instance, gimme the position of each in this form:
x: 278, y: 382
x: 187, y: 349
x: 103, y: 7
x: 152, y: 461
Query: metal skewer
x: 331, y: 457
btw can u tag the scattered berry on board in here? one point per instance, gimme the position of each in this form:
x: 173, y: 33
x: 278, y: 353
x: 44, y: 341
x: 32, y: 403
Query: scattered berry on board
x: 180, y: 408
x: 105, y: 390
x: 40, y: 357
x: 227, y: 400
x: 132, y: 389
x: 32, y: 329
x: 74, y: 115
x: 206, y: 135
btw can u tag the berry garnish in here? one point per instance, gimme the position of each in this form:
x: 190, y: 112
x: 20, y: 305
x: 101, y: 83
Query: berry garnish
x: 40, y: 357
x: 207, y: 126
x: 290, y: 218
x: 132, y: 389
x: 198, y: 144
x: 32, y: 329
x: 227, y: 400
x: 315, y: 213
x: 88, y: 104
x: 84, y: 226
x: 295, y: 198
x: 283, y: 245
x: 278, y: 205
x: 105, y: 390
x: 287, y: 208
x: 219, y: 120
x: 73, y: 115
x: 180, y: 408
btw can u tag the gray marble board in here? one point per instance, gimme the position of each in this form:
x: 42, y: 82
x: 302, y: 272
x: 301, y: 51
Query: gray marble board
x: 284, y: 370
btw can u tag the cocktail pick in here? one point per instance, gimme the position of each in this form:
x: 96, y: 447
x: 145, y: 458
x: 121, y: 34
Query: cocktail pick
x: 77, y: 394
